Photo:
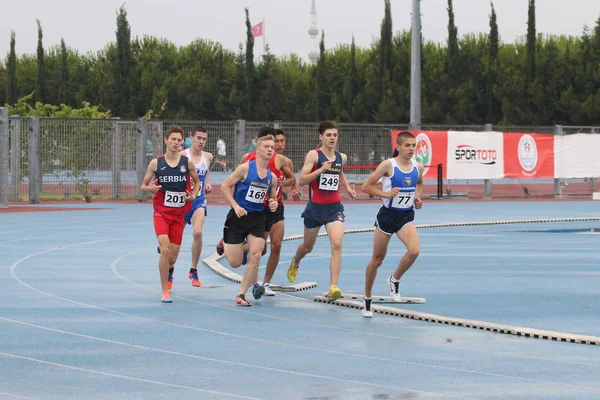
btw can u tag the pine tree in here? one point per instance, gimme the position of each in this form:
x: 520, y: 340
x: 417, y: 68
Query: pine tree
x: 385, y: 50
x: 250, y: 74
x: 531, y: 42
x: 452, y: 62
x: 11, y: 90
x: 493, y: 104
x: 63, y: 79
x: 40, y: 82
x: 322, y: 100
x: 124, y: 66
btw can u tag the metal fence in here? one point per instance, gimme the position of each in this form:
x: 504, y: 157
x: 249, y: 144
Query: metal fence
x: 73, y: 159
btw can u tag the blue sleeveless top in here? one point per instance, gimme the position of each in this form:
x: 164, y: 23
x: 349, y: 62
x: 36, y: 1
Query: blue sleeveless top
x: 250, y: 193
x: 406, y: 181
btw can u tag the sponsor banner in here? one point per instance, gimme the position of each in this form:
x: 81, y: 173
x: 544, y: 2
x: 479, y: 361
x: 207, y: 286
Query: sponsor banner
x: 576, y: 156
x: 431, y: 150
x: 528, y: 155
x: 475, y: 155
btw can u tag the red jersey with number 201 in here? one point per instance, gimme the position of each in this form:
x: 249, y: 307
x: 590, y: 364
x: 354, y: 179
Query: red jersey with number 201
x: 174, y: 182
x: 326, y: 187
x: 277, y: 172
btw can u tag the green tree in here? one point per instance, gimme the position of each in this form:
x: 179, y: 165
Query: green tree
x: 531, y: 42
x: 123, y: 67
x: 385, y: 50
x: 494, y: 38
x: 40, y: 92
x: 63, y: 79
x: 453, y: 53
x: 321, y: 77
x: 250, y: 78
x: 11, y: 88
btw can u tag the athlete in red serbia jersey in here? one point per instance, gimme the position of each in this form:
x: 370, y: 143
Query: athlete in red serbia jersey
x: 172, y: 199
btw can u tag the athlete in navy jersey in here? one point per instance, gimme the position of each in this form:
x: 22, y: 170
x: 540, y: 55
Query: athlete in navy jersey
x: 402, y: 184
x: 323, y: 170
x: 251, y: 183
x: 197, y: 214
x: 172, y: 198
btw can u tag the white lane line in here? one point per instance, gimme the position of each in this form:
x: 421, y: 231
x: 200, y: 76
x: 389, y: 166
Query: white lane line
x: 131, y: 378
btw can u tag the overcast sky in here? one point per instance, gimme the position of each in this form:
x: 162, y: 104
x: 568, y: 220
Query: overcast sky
x: 88, y: 25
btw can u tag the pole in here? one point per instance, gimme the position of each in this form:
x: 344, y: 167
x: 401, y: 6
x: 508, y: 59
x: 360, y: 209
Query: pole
x: 264, y: 38
x: 415, y: 67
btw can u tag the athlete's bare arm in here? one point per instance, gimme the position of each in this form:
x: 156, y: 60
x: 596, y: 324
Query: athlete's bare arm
x: 281, y: 163
x: 419, y: 190
x: 347, y: 186
x: 296, y: 193
x: 307, y: 175
x: 146, y: 187
x: 195, y: 182
x: 227, y: 186
x: 244, y: 159
x: 383, y: 169
x: 209, y: 159
x: 273, y: 195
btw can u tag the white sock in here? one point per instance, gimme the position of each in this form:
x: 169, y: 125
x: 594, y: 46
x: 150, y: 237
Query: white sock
x: 394, y: 280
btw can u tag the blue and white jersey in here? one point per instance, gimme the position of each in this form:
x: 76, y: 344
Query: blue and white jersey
x: 252, y: 191
x: 202, y: 171
x: 406, y: 181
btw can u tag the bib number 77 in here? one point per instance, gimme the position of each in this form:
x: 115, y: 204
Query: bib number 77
x: 404, y: 200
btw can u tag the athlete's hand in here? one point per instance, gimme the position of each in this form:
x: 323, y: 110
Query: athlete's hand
x: 326, y: 166
x: 272, y: 204
x: 153, y: 188
x: 239, y: 211
x: 352, y: 193
x: 208, y: 188
x: 393, y: 193
x: 296, y: 195
x: 418, y: 203
x: 189, y: 196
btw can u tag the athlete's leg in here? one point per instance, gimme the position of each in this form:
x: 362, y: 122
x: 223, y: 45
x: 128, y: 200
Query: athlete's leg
x: 164, y: 261
x: 197, y: 224
x: 335, y: 231
x: 380, y: 245
x: 310, y: 237
x: 256, y: 245
x: 276, y: 233
x: 410, y: 237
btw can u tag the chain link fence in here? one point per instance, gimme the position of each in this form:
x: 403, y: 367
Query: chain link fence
x: 105, y: 159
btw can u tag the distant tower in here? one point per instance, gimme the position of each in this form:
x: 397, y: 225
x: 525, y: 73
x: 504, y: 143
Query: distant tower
x: 313, y: 31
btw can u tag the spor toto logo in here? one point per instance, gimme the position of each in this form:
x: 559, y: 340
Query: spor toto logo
x: 470, y: 154
x: 423, y: 151
x: 528, y: 154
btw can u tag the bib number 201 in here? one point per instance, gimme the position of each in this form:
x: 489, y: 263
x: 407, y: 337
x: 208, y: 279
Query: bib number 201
x: 174, y: 199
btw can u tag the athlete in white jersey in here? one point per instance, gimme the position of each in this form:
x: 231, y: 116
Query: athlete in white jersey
x: 196, y: 215
x: 402, y: 183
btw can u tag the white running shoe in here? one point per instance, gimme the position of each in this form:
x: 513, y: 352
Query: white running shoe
x: 394, y: 289
x: 268, y: 290
x: 366, y: 311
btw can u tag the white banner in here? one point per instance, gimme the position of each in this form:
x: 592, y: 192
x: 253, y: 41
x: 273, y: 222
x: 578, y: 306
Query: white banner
x: 475, y: 155
x: 577, y: 156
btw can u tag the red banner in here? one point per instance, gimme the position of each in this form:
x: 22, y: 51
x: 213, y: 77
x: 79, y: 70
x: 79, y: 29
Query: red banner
x: 528, y: 155
x: 432, y: 149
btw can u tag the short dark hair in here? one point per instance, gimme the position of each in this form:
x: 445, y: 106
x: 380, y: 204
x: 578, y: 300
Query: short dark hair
x: 323, y: 126
x: 400, y: 138
x: 279, y: 132
x: 404, y: 135
x: 198, y: 129
x: 174, y: 129
x: 266, y: 130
